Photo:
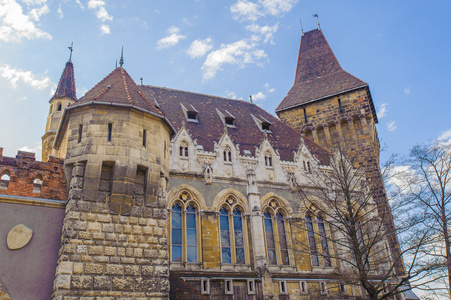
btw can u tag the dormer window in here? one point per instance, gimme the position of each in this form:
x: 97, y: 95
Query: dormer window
x: 229, y: 121
x: 192, y: 116
x: 265, y: 126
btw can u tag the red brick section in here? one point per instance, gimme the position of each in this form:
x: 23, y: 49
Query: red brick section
x: 180, y: 290
x: 24, y: 169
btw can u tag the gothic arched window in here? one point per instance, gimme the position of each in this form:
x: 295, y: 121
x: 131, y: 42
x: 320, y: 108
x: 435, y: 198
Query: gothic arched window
x: 227, y: 154
x: 276, y: 235
x: 232, y: 233
x: 184, y: 149
x: 268, y: 159
x: 314, y: 230
x: 184, y: 229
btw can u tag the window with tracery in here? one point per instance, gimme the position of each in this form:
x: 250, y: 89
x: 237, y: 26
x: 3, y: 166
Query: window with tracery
x: 276, y: 234
x: 227, y: 154
x: 232, y: 233
x: 184, y: 149
x: 316, y: 231
x: 184, y: 229
x: 268, y: 159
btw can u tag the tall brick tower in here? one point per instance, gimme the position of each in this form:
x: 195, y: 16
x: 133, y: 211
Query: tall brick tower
x: 114, y: 236
x: 332, y: 107
x: 65, y: 95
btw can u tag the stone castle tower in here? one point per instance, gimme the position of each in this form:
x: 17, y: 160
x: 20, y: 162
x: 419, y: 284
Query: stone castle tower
x: 335, y: 110
x: 114, y: 237
x: 65, y: 95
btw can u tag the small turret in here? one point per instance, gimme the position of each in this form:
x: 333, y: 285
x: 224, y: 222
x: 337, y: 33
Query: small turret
x: 65, y: 94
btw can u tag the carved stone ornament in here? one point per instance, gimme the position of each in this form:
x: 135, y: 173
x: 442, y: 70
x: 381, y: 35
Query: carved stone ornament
x: 208, y: 174
x: 18, y: 237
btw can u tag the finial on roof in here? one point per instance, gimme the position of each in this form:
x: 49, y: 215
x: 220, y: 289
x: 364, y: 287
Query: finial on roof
x: 302, y: 30
x: 250, y: 98
x: 141, y: 79
x: 317, y: 17
x: 121, y: 61
x: 71, y: 48
x: 116, y: 65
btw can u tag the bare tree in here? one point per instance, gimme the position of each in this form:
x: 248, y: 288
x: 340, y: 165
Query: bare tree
x: 424, y: 179
x: 358, y: 239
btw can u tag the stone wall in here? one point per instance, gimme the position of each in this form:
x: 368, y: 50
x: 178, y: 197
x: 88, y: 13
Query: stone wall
x: 31, y: 178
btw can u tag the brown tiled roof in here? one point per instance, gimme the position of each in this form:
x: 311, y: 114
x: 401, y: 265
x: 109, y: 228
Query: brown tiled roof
x: 210, y: 127
x: 119, y: 88
x: 66, y: 85
x: 318, y: 73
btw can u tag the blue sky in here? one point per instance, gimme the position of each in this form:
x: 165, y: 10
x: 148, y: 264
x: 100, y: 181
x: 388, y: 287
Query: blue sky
x: 227, y: 48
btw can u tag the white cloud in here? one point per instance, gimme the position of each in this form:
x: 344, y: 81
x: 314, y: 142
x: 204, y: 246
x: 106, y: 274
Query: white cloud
x: 172, y: 39
x: 233, y: 95
x: 27, y: 77
x: 382, y: 110
x: 239, y: 53
x: 391, y: 126
x: 101, y: 12
x: 245, y: 10
x: 82, y: 7
x: 15, y: 25
x: 408, y: 90
x: 258, y: 97
x: 268, y: 88
x: 265, y: 32
x: 105, y: 29
x: 60, y: 12
x: 445, y: 135
x: 36, y: 149
x: 199, y: 48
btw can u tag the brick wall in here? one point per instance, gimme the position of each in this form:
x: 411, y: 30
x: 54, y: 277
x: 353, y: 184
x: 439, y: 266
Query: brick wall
x: 23, y: 170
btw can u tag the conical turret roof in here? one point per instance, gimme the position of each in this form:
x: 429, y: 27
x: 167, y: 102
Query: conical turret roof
x: 66, y: 85
x: 119, y: 88
x: 318, y: 73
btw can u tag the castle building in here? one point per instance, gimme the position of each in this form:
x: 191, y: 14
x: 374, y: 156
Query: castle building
x: 146, y: 192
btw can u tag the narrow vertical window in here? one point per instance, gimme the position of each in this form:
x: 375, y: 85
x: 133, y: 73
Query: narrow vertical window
x: 339, y: 105
x: 80, y: 131
x: 324, y: 244
x: 37, y: 184
x: 176, y: 233
x: 144, y: 138
x: 239, y: 236
x: 308, y: 167
x: 110, y: 130
x: 303, y: 287
x: 305, y: 115
x: 191, y: 234
x: 164, y: 150
x: 184, y: 149
x: 283, y: 245
x: 205, y: 286
x: 268, y: 159
x: 228, y: 285
x: 283, y: 287
x: 312, y: 241
x: 251, y: 287
x: 59, y: 107
x: 225, y: 236
x: 270, y: 241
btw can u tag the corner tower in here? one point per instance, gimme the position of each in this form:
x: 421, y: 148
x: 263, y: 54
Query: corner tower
x: 65, y: 95
x: 334, y: 108
x: 114, y: 237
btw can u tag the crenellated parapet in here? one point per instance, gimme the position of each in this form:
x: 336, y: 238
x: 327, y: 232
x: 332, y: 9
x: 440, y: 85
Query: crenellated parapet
x: 24, y: 176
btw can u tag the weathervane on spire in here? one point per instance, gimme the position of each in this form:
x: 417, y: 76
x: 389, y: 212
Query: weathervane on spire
x: 316, y: 16
x: 302, y: 30
x: 121, y: 61
x: 71, y: 48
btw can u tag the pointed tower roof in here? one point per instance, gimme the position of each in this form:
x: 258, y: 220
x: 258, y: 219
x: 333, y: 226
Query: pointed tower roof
x: 318, y: 73
x: 66, y: 85
x: 120, y: 89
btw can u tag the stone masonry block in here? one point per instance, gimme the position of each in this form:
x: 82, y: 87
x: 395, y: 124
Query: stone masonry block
x: 96, y: 227
x: 132, y: 270
x: 102, y: 283
x: 65, y: 267
x: 123, y: 283
x: 62, y: 282
x: 114, y: 270
x: 81, y: 282
x: 91, y: 268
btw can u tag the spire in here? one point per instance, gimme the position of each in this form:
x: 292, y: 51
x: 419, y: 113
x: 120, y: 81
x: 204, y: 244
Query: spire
x: 121, y: 61
x: 318, y: 73
x: 317, y: 18
x: 66, y: 85
x: 71, y: 48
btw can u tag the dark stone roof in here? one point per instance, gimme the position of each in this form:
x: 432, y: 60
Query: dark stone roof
x: 318, y: 73
x: 119, y: 88
x: 66, y: 85
x: 210, y: 126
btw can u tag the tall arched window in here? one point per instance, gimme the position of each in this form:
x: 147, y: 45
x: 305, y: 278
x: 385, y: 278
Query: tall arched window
x: 314, y: 231
x: 4, y: 181
x: 184, y: 149
x: 277, y: 247
x: 232, y: 234
x: 227, y: 154
x: 184, y: 229
x: 268, y: 159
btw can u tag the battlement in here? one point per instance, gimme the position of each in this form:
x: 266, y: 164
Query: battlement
x: 24, y: 176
